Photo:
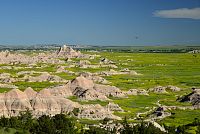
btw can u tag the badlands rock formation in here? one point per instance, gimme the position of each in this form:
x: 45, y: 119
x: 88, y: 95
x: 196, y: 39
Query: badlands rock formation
x: 15, y: 101
x: 50, y: 101
x: 161, y: 89
x: 16, y: 58
x: 53, y: 100
x: 158, y: 89
x: 86, y: 89
x: 114, y: 107
x: 160, y: 112
x: 68, y: 52
x: 137, y: 92
x: 193, y: 97
x: 44, y: 77
x: 94, y: 77
x: 96, y: 112
x: 64, y: 52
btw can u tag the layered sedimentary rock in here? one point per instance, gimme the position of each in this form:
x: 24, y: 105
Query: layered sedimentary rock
x: 96, y: 112
x: 193, y: 97
x: 16, y: 58
x: 44, y: 77
x: 137, y: 92
x: 110, y: 91
x: 161, y: 89
x: 114, y: 107
x: 46, y: 101
x: 68, y: 52
x: 95, y: 78
x: 16, y: 101
x: 61, y: 90
x: 86, y: 89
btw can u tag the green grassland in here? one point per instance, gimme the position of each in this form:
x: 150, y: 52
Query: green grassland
x: 181, y: 117
x: 37, y: 86
x: 4, y: 90
x: 157, y: 69
x: 75, y: 99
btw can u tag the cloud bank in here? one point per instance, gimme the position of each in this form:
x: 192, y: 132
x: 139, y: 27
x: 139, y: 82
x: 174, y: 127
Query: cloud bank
x: 193, y: 13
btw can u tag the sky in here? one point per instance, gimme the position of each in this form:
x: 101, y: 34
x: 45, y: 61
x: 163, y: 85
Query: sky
x: 100, y: 22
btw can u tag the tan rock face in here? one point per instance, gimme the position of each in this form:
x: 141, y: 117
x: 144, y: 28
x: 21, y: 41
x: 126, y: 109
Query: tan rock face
x: 86, y: 89
x: 43, y: 102
x: 61, y: 69
x: 3, y: 108
x: 114, y: 107
x: 95, y: 78
x: 30, y: 93
x: 96, y: 112
x: 16, y: 101
x: 137, y: 92
x: 45, y: 77
x: 88, y: 94
x: 81, y: 82
x: 61, y: 90
x: 109, y: 90
x: 173, y: 88
x: 161, y: 89
x: 68, y: 52
x: 15, y: 58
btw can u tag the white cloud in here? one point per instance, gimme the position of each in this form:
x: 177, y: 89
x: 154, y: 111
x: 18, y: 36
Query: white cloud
x: 193, y: 13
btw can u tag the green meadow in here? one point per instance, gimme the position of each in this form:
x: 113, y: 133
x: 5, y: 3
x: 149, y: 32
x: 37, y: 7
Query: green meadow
x: 178, y: 69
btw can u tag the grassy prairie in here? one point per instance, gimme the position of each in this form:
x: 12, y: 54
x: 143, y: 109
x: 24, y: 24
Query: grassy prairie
x: 37, y: 86
x: 4, y: 90
x: 181, y: 117
x: 75, y: 99
x: 179, y: 69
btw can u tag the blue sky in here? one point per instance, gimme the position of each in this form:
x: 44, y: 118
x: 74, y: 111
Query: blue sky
x: 100, y: 22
